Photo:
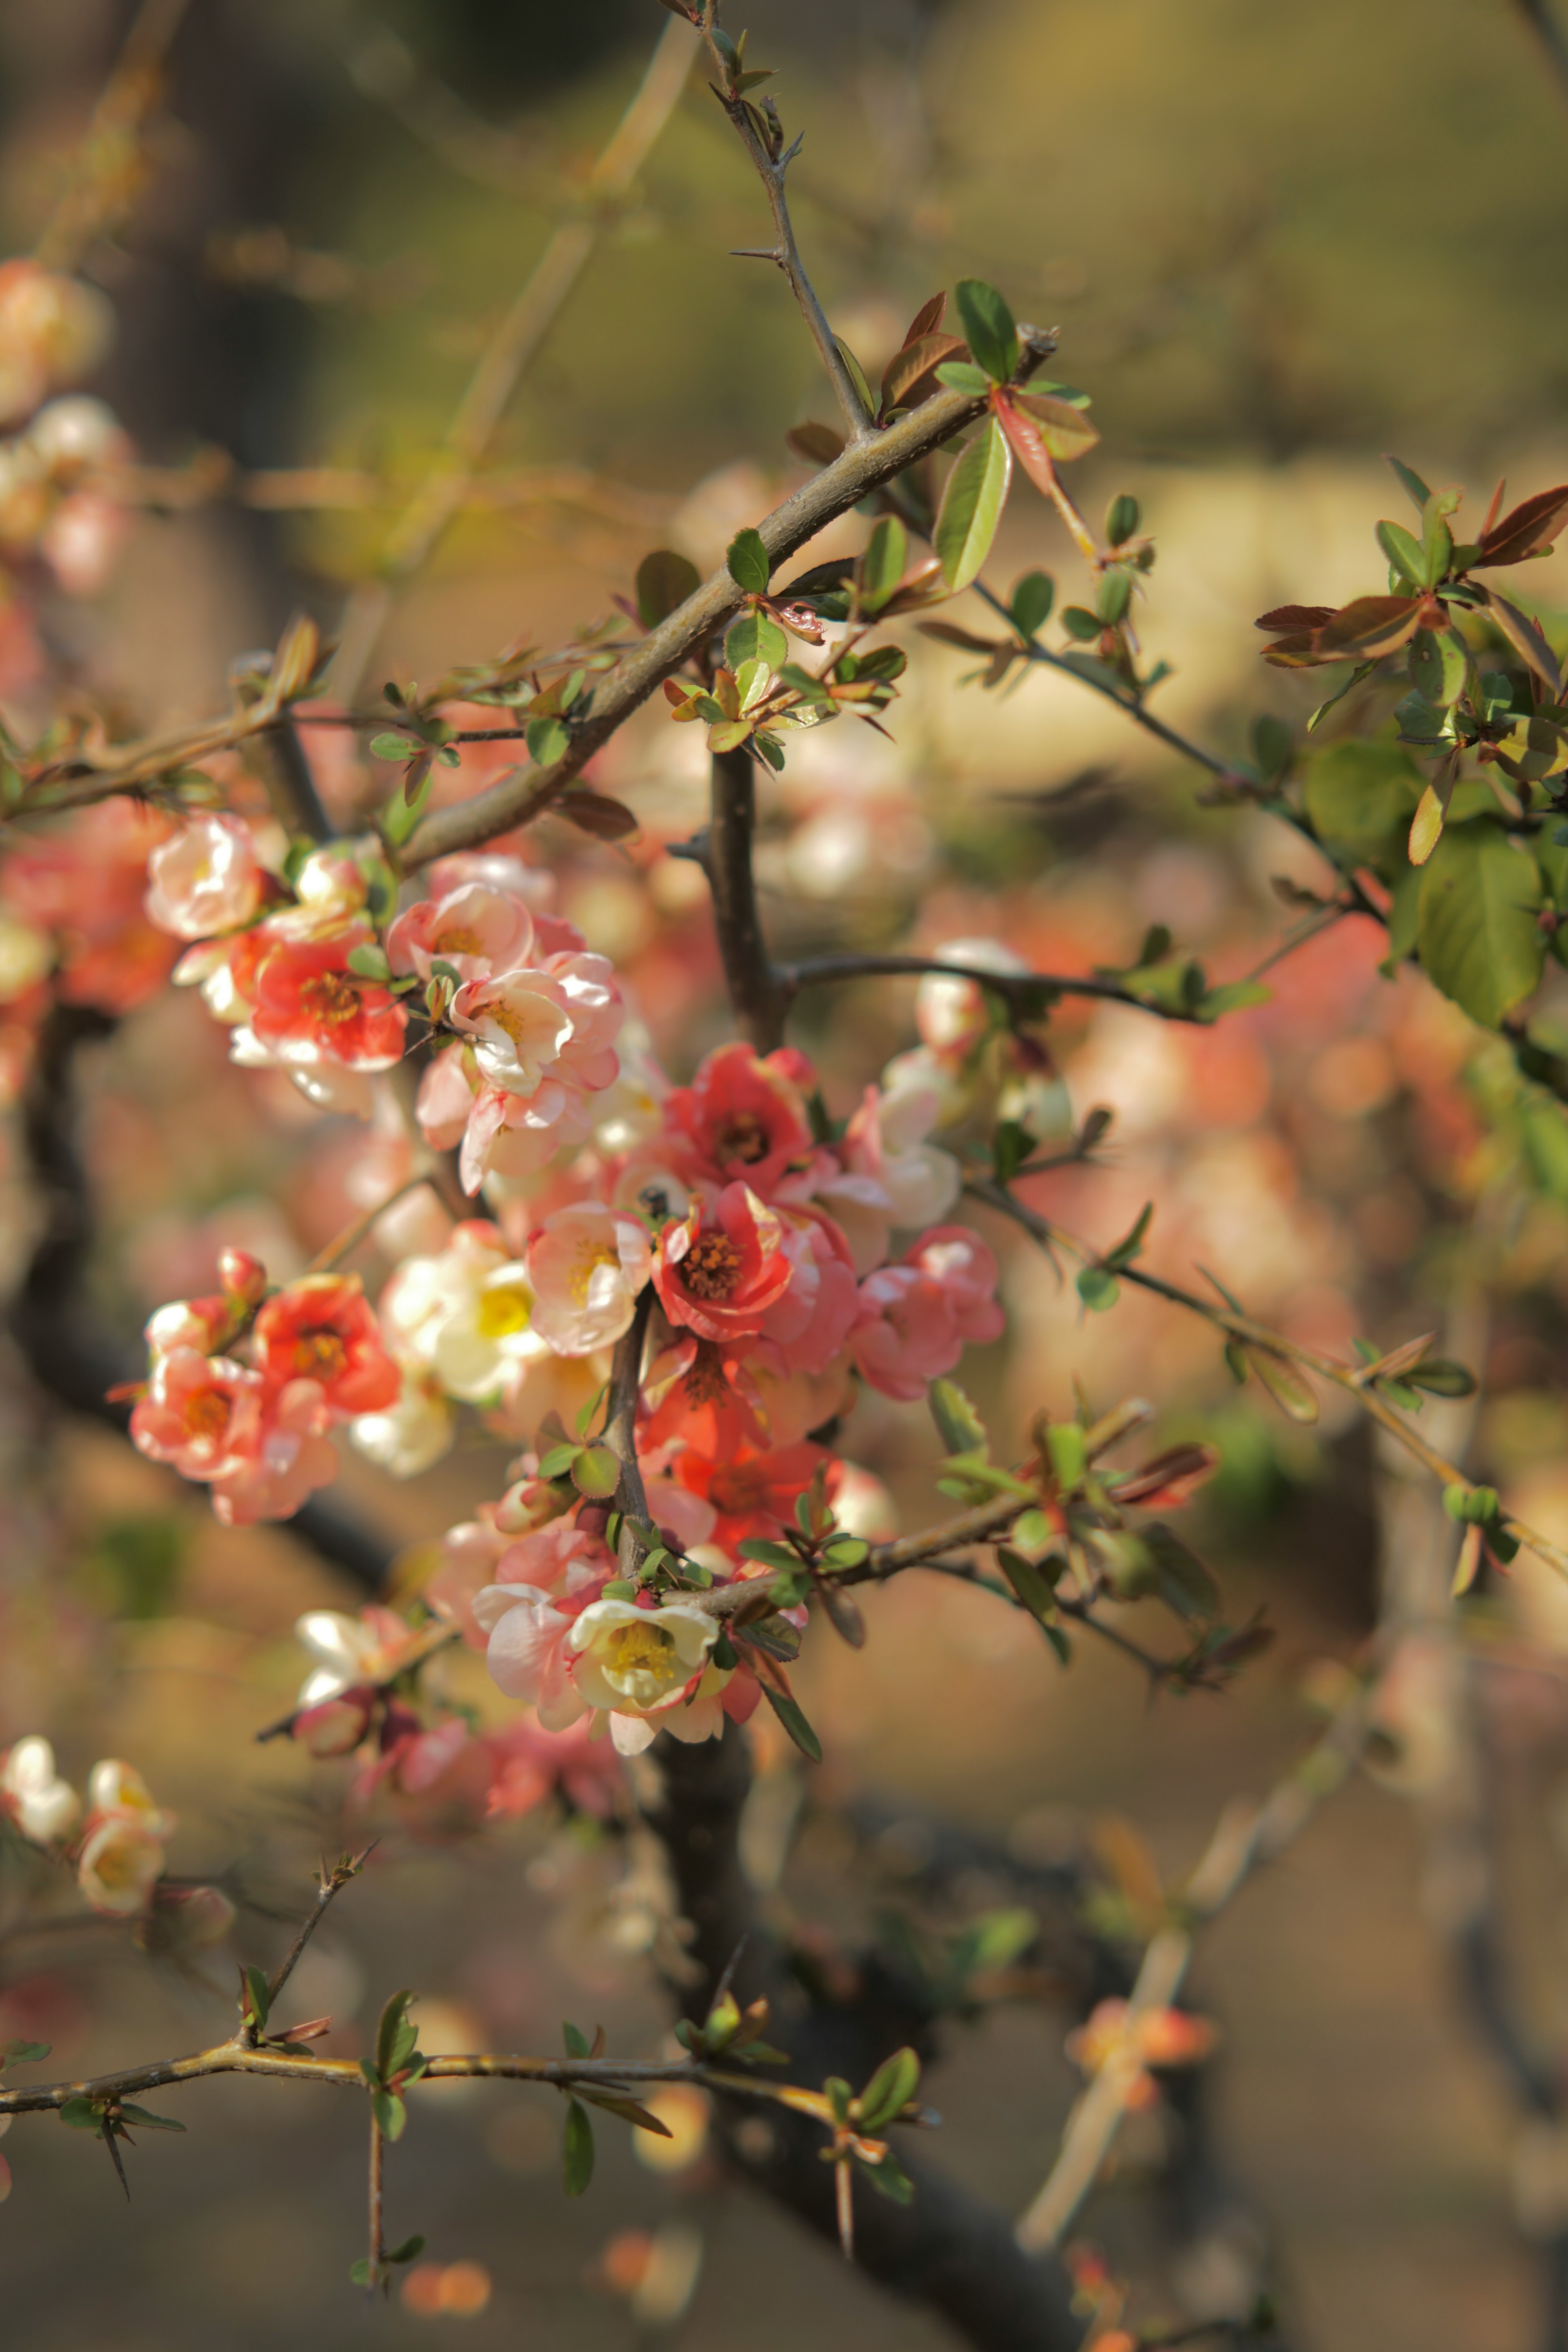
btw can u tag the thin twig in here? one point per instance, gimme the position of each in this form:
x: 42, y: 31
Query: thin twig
x: 106, y: 179
x: 1242, y: 1328
x: 511, y: 349
x: 1018, y: 988
x: 331, y: 1884
x: 621, y: 1429
x: 377, y: 2166
x: 773, y: 161
x: 1539, y: 18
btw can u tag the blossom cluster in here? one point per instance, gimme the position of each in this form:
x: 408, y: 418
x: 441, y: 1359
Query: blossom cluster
x: 781, y: 1259
x: 114, y: 1841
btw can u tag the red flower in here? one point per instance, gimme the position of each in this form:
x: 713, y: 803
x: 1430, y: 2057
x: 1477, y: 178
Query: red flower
x: 742, y: 1119
x: 723, y: 1266
x: 754, y: 1494
x: 310, y: 1007
x: 322, y: 1329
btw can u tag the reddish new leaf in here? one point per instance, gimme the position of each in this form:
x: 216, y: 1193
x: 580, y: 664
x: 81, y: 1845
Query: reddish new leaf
x: 1528, y: 528
x: 1296, y: 616
x: 1525, y: 636
x: 910, y: 376
x: 1171, y: 1479
x: 1063, y: 431
x: 595, y: 813
x: 815, y: 445
x: 926, y: 320
x: 1368, y: 627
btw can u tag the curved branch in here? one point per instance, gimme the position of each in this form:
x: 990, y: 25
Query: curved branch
x: 1021, y: 988
x: 864, y: 466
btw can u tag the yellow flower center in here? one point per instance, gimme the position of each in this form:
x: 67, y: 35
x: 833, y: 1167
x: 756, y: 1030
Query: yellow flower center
x: 504, y: 1311
x: 632, y: 1647
x: 330, y: 998
x: 591, y: 1254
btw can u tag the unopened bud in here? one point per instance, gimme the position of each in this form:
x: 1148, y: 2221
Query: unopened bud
x: 243, y: 1277
x: 184, y: 1919
x: 337, y: 1726
x: 531, y: 1502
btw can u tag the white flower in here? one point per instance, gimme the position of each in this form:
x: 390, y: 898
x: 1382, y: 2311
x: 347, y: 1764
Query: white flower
x: 409, y: 1435
x: 348, y: 1652
x: 45, y: 1808
x: 587, y: 1265
x: 638, y: 1663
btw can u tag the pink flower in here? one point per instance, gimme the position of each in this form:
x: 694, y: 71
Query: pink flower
x: 289, y: 1459
x: 559, y: 1020
x: 309, y: 1006
x: 207, y: 878
x: 754, y: 1494
x: 723, y: 1266
x: 742, y: 1119
x: 529, y: 1764
x: 962, y: 1268
x: 479, y: 931
x: 514, y: 1135
x: 812, y: 1320
x: 201, y: 1414
x: 322, y: 1329
x: 587, y: 1265
x: 917, y: 1316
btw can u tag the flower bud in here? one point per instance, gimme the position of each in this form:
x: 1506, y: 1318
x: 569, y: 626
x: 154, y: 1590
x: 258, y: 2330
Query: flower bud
x: 531, y: 1502
x: 243, y: 1277
x: 43, y: 1808
x: 184, y: 1919
x: 337, y: 1726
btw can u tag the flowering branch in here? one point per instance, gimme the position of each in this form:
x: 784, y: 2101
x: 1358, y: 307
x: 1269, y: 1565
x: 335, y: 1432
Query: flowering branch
x: 1025, y: 992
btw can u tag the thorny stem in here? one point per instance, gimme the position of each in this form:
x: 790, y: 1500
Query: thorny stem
x: 511, y: 350
x: 105, y: 179
x: 1349, y: 1377
x: 1246, y: 1836
x: 1016, y: 987
x: 757, y: 994
x: 772, y: 168
x: 331, y: 1884
x: 620, y: 1428
x: 377, y: 2162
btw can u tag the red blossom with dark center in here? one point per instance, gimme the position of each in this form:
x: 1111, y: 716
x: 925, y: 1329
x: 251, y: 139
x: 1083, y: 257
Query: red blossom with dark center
x: 310, y: 1006
x: 322, y: 1329
x: 742, y: 1119
x: 723, y: 1266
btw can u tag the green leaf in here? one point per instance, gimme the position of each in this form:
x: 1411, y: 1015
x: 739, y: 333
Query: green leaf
x: 771, y: 1555
x: 794, y: 1721
x: 1130, y: 1247
x: 1122, y: 519
x: 1081, y: 623
x: 728, y: 734
x: 404, y: 811
x: 1360, y: 798
x: 960, y: 1427
x: 1439, y: 1376
x: 358, y: 2272
x: 846, y: 1551
x: 1011, y: 1145
x: 259, y: 2000
x: 1030, y: 1581
x: 149, y: 2122
x: 577, y: 2150
x: 1273, y: 745
x: 1284, y: 1384
x: 1113, y: 597
x: 393, y: 2018
x: 1479, y: 939
x: 890, y: 2088
x: 664, y: 581
x: 1426, y: 828
x: 406, y: 2250
x: 370, y: 962
x: 577, y: 2042
x: 1064, y: 1439
x: 888, y: 2178
x: 79, y: 2114
x: 1415, y: 487
x: 882, y: 565
x: 988, y: 327
x: 857, y: 375
x: 1402, y: 550
x: 746, y: 560
x: 23, y: 2053
x: 972, y: 506
x: 394, y: 747
x: 547, y: 739
x: 596, y: 1472
x: 1097, y: 1290
x: 558, y: 1461
x: 958, y: 375
x: 753, y: 638
x: 1032, y: 601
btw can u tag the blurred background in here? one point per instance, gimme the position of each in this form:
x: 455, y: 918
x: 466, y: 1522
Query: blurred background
x: 1275, y: 244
